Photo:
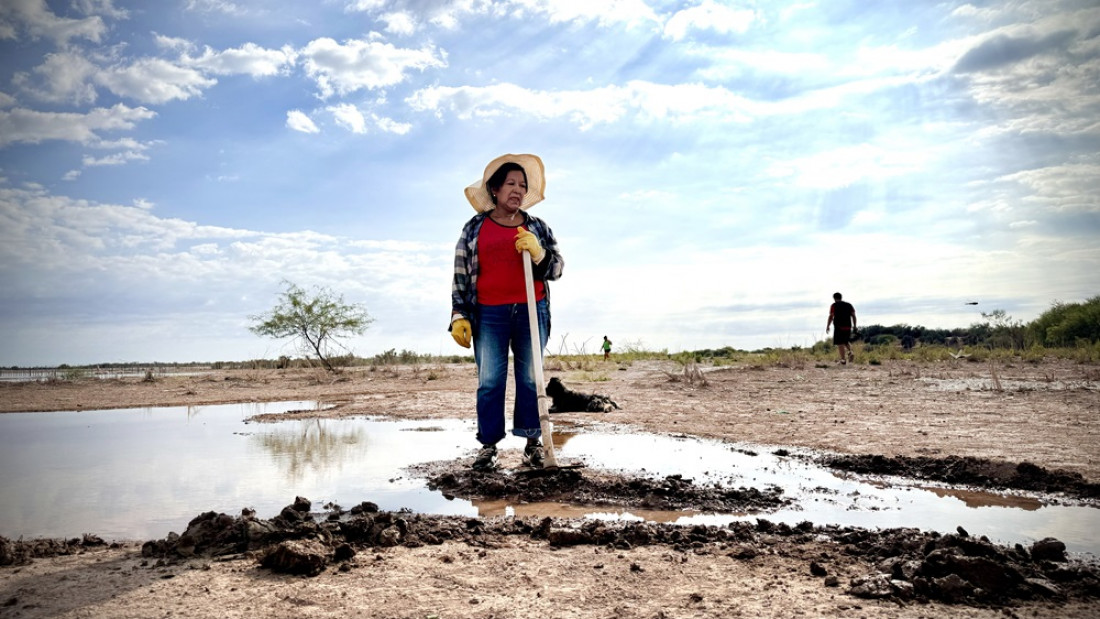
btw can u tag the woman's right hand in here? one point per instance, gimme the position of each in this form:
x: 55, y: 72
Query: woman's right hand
x: 461, y: 332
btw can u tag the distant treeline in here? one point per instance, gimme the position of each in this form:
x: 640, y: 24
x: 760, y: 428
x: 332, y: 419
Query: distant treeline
x: 1063, y: 325
x: 388, y: 358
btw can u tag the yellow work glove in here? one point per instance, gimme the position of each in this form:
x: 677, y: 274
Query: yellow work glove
x: 461, y: 332
x: 526, y: 241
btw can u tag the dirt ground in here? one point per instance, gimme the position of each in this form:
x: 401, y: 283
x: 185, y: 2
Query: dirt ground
x: 1044, y: 414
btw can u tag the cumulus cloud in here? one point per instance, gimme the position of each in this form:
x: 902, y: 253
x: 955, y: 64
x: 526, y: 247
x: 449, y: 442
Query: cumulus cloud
x: 1003, y: 49
x: 32, y: 126
x: 343, y: 68
x: 248, y: 59
x: 390, y: 125
x: 154, y: 80
x: 1070, y: 187
x: 349, y: 117
x: 399, y: 22
x: 127, y: 150
x: 214, y: 6
x: 709, y: 16
x: 298, y: 121
x: 1040, y: 77
x: 173, y: 43
x: 35, y: 19
x: 52, y: 230
x: 62, y: 77
x: 119, y: 158
x: 70, y: 77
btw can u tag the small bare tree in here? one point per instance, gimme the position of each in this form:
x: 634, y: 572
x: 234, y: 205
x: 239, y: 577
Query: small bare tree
x: 319, y: 319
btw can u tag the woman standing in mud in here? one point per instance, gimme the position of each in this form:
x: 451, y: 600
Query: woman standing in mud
x: 489, y: 297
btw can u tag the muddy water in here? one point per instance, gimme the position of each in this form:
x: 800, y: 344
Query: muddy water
x: 141, y: 473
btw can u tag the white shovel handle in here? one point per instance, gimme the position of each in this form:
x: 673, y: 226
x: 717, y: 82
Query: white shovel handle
x: 536, y: 362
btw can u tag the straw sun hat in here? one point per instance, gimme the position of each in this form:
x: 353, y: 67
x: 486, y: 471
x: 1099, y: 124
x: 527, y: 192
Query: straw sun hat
x: 478, y: 194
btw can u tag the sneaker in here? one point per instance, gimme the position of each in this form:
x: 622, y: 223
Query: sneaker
x: 851, y: 356
x: 534, y: 456
x: 486, y: 458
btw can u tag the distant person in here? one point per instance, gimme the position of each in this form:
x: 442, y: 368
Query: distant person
x: 489, y: 298
x: 606, y: 348
x: 843, y: 315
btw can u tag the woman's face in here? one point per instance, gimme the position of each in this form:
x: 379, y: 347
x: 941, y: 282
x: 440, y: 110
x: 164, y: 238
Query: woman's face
x: 511, y: 193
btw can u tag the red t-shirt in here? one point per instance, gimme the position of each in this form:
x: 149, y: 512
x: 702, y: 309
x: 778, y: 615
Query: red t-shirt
x: 500, y: 267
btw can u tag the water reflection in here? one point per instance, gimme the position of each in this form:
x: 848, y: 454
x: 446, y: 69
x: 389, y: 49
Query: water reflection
x: 139, y: 474
x: 310, y: 445
x: 974, y: 499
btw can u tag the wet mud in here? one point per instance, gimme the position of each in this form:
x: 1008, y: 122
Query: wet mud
x: 969, y: 471
x: 567, y: 485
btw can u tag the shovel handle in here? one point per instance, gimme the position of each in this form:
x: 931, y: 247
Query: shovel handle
x: 536, y: 362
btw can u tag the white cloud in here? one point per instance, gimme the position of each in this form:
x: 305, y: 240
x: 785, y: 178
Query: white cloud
x: 1040, y: 74
x: 173, y: 43
x: 53, y: 230
x: 357, y: 64
x: 100, y: 7
x: 37, y: 20
x: 642, y: 101
x: 153, y: 80
x: 1070, y: 187
x: 604, y: 12
x: 248, y: 59
x: 61, y: 78
x: 214, y: 6
x: 31, y: 126
x: 115, y: 159
x: 298, y: 121
x: 449, y: 14
x: 349, y: 117
x: 719, y: 18
x: 399, y: 22
x: 391, y: 126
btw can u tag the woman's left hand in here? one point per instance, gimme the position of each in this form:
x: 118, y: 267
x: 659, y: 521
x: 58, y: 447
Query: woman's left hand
x: 526, y: 241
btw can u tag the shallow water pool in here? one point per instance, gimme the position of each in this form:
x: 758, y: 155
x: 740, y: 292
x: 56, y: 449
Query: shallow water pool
x: 141, y: 473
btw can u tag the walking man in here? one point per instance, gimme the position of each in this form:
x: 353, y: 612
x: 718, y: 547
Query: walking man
x: 843, y: 315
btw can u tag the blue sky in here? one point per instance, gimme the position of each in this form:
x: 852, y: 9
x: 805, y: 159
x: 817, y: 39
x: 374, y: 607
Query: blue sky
x: 715, y: 170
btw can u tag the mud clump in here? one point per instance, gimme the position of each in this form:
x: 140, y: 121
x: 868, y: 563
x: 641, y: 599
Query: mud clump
x: 903, y: 565
x: 19, y: 552
x: 673, y: 492
x: 970, y: 471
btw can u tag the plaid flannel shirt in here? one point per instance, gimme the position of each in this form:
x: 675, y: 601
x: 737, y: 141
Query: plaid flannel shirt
x: 464, y: 284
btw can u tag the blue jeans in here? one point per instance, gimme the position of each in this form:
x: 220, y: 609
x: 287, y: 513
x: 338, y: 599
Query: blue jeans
x: 496, y: 329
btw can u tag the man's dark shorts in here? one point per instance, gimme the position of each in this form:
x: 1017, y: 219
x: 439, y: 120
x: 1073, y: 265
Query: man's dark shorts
x: 842, y: 336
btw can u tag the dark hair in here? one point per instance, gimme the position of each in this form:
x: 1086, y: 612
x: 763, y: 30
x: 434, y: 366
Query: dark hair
x: 496, y: 181
x: 836, y: 296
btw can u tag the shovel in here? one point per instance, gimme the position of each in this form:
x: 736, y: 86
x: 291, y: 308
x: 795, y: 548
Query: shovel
x: 536, y: 361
